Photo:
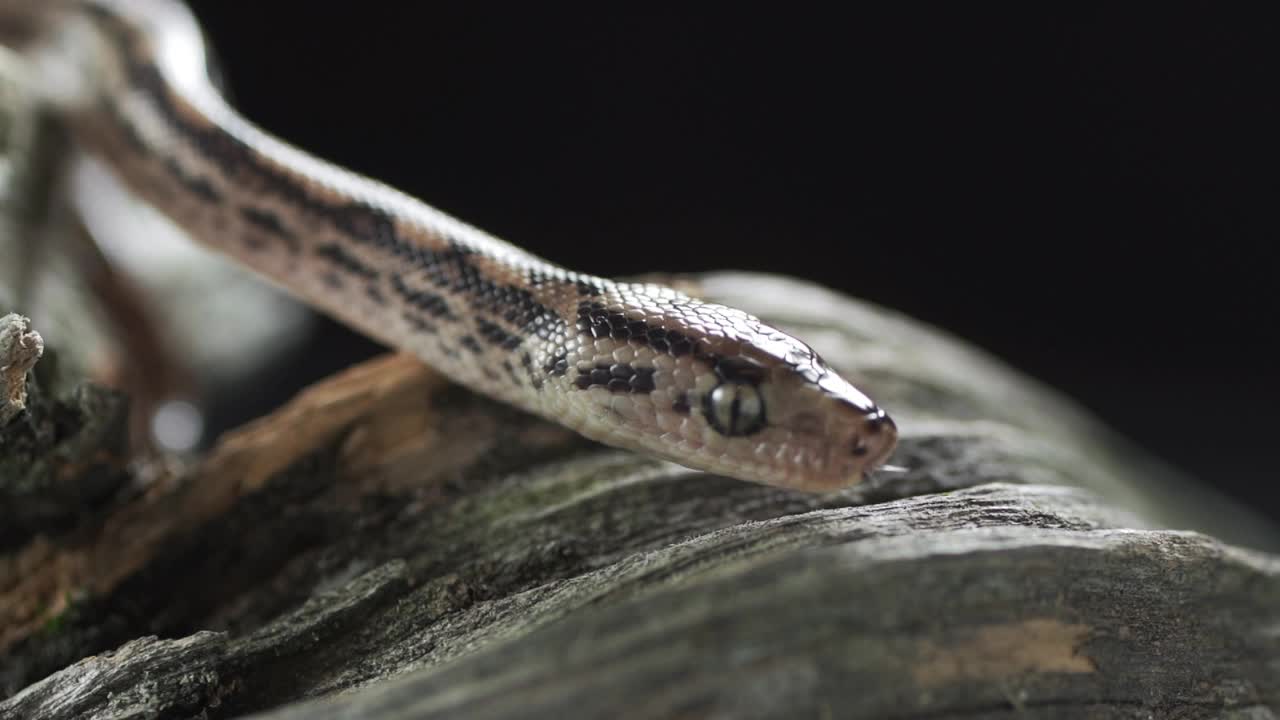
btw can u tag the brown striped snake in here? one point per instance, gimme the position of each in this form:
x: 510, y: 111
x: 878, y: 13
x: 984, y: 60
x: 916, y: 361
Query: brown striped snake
x: 635, y: 366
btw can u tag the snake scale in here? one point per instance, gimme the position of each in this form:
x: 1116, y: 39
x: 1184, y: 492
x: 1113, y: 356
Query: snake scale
x: 633, y: 365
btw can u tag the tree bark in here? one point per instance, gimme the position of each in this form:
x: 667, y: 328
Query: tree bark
x: 391, y: 546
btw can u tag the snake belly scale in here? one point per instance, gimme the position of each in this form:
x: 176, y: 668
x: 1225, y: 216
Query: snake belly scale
x: 632, y: 365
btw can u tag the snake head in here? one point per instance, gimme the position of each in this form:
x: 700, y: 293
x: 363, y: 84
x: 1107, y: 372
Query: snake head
x: 820, y: 432
x: 714, y: 388
x: 778, y: 414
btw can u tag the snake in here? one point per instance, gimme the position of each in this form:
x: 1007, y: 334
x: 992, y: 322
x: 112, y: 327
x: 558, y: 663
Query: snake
x: 630, y: 364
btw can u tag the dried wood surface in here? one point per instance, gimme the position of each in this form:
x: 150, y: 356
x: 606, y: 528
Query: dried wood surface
x: 391, y: 546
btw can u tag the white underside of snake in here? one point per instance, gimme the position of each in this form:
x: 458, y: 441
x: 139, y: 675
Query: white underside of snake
x: 635, y: 366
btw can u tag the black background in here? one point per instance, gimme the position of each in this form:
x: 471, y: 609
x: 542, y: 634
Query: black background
x: 1089, y: 193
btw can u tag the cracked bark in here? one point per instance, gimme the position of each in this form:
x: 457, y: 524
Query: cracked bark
x: 390, y: 546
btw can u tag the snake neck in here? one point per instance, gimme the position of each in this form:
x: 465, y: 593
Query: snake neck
x: 488, y: 314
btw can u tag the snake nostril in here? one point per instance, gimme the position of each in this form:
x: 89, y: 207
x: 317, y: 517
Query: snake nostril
x: 859, y: 448
x: 877, y: 422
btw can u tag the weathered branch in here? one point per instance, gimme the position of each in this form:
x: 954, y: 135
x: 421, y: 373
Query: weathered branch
x: 390, y: 546
x: 20, y: 349
x: 61, y: 453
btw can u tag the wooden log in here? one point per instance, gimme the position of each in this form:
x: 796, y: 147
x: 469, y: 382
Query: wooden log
x: 390, y: 546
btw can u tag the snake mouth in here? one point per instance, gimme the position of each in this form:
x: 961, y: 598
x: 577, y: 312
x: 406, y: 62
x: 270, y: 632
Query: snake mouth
x: 884, y: 449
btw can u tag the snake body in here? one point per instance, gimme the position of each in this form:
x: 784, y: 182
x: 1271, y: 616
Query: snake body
x: 632, y: 365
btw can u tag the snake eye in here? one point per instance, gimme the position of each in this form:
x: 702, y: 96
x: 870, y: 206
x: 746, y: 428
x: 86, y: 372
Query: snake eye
x: 734, y: 409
